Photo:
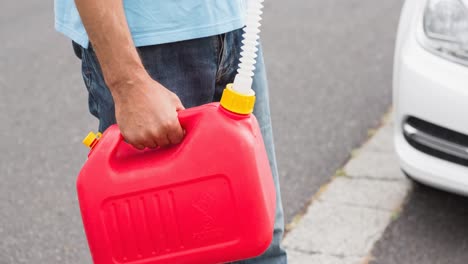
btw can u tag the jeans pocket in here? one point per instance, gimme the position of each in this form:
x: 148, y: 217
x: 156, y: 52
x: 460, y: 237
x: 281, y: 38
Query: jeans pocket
x: 77, y: 50
x: 221, y: 44
x: 87, y: 71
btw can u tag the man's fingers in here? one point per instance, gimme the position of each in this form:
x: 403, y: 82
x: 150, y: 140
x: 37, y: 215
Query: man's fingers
x: 132, y: 139
x: 176, y: 134
x: 139, y: 146
x: 149, y: 121
x: 162, y: 140
x: 152, y: 144
x: 144, y: 142
x: 141, y: 141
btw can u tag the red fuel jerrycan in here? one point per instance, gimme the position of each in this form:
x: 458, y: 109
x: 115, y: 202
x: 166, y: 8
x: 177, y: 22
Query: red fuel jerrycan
x: 209, y: 199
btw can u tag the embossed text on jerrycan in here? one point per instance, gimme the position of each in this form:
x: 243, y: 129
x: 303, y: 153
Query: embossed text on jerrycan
x: 210, y: 199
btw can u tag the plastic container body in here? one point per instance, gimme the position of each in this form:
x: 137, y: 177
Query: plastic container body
x: 210, y: 199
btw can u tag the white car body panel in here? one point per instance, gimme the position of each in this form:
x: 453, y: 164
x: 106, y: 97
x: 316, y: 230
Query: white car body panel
x: 431, y: 88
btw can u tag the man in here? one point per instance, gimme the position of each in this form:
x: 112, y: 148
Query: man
x: 143, y: 60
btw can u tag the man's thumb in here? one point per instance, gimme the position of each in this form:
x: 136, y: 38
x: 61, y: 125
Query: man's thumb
x: 179, y: 105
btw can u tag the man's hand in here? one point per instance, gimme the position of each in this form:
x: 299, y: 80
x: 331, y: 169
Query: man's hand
x: 146, y: 113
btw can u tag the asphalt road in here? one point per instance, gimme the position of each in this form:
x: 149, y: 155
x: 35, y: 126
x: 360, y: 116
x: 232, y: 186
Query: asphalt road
x: 330, y: 74
x: 433, y: 228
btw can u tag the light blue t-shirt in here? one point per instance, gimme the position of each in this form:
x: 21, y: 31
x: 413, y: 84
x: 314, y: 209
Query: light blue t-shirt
x: 160, y: 21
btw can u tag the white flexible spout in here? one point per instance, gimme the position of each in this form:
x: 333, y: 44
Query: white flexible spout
x: 243, y: 80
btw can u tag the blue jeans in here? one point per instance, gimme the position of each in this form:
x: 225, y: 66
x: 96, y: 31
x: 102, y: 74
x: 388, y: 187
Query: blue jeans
x: 197, y: 71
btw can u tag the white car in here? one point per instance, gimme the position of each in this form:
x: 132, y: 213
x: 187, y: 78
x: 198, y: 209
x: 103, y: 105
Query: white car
x: 430, y: 93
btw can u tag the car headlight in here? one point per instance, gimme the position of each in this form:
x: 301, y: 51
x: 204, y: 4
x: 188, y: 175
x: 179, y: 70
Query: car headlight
x: 445, y: 25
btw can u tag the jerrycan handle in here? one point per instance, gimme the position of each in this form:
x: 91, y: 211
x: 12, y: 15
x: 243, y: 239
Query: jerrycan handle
x: 188, y: 119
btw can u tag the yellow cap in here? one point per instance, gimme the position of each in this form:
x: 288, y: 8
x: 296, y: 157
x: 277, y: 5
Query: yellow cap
x: 236, y: 102
x: 90, y: 139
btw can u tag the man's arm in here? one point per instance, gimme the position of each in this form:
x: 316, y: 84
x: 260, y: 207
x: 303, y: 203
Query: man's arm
x: 146, y: 112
